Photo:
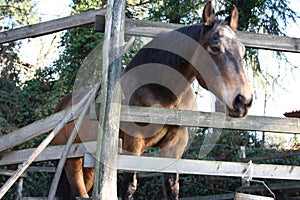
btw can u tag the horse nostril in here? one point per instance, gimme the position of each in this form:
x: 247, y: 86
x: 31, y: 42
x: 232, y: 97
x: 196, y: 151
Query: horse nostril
x: 239, y: 101
x: 250, y: 102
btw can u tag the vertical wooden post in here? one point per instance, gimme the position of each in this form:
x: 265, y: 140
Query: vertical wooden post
x: 242, y: 154
x: 105, y: 182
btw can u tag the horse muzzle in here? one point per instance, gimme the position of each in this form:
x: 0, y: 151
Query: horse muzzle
x: 240, y: 106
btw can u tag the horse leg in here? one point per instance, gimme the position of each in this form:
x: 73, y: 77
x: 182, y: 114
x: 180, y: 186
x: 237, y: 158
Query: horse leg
x: 174, y: 149
x: 129, y: 185
x: 131, y: 146
x: 74, y: 171
x: 88, y: 178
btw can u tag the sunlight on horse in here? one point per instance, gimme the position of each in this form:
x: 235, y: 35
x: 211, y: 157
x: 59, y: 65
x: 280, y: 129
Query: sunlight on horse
x: 160, y: 76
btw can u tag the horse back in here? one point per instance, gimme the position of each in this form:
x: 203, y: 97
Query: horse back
x: 87, y: 131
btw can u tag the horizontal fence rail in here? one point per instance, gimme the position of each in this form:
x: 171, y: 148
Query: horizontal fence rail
x: 252, y: 40
x: 51, y: 153
x: 165, y: 165
x: 207, y: 119
x: 53, y: 26
x: 33, y: 130
x: 207, y: 167
x: 142, y: 28
x: 161, y: 116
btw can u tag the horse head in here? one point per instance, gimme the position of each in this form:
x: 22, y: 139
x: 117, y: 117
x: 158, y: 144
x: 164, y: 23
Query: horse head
x: 219, y: 39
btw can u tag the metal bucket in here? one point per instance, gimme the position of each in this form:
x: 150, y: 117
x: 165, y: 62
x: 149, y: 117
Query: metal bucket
x: 242, y: 196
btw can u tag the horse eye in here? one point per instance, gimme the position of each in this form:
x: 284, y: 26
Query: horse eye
x: 215, y: 49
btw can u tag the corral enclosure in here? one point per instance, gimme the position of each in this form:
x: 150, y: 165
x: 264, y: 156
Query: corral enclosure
x: 186, y: 118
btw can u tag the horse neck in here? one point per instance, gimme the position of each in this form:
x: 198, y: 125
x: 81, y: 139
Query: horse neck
x: 152, y: 53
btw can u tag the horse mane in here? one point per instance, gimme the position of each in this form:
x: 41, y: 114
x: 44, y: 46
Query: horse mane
x: 151, y: 55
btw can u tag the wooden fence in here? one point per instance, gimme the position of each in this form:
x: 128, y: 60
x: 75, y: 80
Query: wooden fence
x: 145, y: 29
x: 158, y: 115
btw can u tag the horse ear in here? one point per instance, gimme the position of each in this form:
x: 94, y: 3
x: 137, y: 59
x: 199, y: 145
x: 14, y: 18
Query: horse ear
x: 233, y: 18
x: 208, y: 15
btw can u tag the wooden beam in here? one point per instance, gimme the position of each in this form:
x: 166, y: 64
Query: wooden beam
x: 241, y: 196
x: 270, y: 42
x: 207, y: 119
x: 167, y: 165
x: 105, y: 177
x: 52, y: 26
x: 6, y: 172
x: 159, y: 116
x: 50, y: 153
x: 143, y: 28
x: 41, y: 169
x: 253, y: 40
x: 33, y: 130
x: 206, y: 167
x: 36, y: 198
x: 210, y: 197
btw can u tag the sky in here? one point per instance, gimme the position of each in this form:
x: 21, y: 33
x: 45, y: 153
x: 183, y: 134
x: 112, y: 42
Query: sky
x: 287, y: 99
x: 279, y: 102
x: 48, y: 10
x: 53, y: 9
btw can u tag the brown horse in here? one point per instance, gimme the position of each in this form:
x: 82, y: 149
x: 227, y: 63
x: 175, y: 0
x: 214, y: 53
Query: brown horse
x: 160, y: 75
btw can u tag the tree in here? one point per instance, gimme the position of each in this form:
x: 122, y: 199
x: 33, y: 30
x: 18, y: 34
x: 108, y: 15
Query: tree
x: 77, y: 44
x: 13, y: 13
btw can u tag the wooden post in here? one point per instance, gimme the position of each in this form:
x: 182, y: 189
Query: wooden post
x: 242, y: 155
x: 105, y: 182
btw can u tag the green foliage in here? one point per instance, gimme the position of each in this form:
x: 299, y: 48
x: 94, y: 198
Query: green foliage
x: 13, y: 13
x: 173, y: 11
x: 77, y: 44
x: 38, y: 183
x: 267, y: 16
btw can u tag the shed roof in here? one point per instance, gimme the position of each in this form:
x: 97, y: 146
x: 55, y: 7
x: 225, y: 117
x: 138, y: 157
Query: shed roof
x: 295, y: 113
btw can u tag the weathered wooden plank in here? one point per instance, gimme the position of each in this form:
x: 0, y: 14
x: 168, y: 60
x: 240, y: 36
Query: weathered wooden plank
x: 169, y: 165
x: 210, y: 197
x: 241, y: 196
x: 270, y: 42
x: 143, y: 28
x: 5, y: 172
x: 33, y: 130
x: 105, y: 187
x: 206, y: 167
x: 36, y: 198
x: 253, y: 40
x: 50, y: 153
x: 52, y: 26
x: 162, y: 116
x: 207, y: 119
x: 40, y: 169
